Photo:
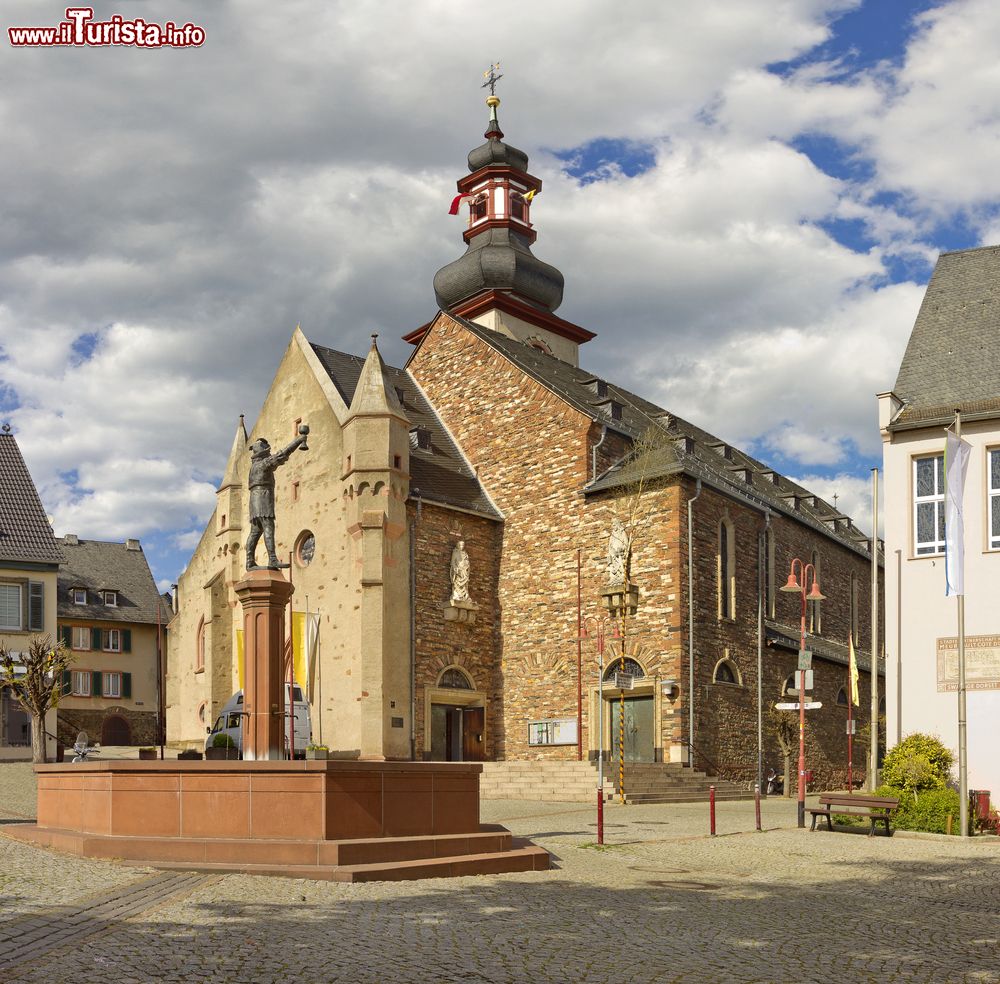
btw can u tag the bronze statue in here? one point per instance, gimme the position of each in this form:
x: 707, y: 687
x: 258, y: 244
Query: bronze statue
x: 261, y: 485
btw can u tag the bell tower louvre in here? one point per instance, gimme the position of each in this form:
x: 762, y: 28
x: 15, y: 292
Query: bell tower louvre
x: 498, y: 282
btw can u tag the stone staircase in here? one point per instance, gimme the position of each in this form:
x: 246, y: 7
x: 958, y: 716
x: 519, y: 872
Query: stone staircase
x: 560, y: 782
x: 576, y: 782
x: 671, y: 782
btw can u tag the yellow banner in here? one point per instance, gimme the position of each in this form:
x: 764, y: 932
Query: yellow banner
x: 305, y: 635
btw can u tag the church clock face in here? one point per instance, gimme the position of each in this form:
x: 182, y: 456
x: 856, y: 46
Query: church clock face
x: 306, y: 549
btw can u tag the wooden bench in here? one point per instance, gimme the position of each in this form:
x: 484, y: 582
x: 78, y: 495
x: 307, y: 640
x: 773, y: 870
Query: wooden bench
x: 878, y: 809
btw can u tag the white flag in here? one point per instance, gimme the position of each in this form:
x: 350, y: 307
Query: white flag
x: 956, y: 462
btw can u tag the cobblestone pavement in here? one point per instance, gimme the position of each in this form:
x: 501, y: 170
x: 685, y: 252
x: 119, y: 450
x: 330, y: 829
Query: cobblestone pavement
x: 661, y: 902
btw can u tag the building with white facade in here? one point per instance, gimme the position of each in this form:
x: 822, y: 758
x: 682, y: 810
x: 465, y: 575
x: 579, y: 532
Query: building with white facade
x: 952, y: 362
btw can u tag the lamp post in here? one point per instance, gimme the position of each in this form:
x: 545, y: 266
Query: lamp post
x: 598, y: 634
x: 793, y: 586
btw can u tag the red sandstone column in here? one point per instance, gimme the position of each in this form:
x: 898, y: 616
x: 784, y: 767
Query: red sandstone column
x: 263, y: 595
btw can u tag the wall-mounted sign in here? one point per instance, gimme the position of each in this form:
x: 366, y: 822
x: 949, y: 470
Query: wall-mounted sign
x: 982, y: 663
x: 560, y: 731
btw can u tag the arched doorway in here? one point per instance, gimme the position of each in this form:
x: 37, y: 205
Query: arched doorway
x: 115, y: 731
x: 632, y: 714
x: 456, y: 712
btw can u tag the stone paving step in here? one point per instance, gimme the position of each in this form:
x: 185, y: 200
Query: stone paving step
x: 29, y: 937
x: 495, y: 862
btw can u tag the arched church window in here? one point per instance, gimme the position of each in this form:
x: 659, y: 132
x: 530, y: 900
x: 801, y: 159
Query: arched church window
x: 726, y: 672
x: 454, y: 679
x: 199, y: 652
x: 842, y: 697
x: 791, y: 683
x: 632, y: 668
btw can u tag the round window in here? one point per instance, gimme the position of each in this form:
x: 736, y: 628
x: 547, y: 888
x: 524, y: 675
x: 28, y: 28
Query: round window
x: 305, y: 548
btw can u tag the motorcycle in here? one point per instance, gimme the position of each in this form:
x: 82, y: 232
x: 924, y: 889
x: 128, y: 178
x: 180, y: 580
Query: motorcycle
x: 775, y: 785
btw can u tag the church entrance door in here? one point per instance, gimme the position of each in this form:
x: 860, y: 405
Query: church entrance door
x: 638, y: 729
x: 457, y: 733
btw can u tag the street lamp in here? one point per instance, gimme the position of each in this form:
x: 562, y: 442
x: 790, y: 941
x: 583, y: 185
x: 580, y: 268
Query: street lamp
x: 599, y: 634
x: 793, y: 586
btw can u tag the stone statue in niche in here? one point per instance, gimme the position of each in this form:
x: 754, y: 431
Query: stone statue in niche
x: 261, y: 483
x: 619, y: 550
x: 459, y: 573
x: 459, y: 607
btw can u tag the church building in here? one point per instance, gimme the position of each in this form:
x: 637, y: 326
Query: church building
x: 460, y: 528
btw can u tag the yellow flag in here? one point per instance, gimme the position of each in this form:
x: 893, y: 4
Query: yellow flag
x: 854, y: 676
x: 299, y: 647
x: 531, y: 194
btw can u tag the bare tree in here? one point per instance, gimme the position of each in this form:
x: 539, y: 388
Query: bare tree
x: 35, y: 678
x: 784, y: 725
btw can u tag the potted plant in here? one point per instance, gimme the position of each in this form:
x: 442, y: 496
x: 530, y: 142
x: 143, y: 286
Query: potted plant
x: 222, y: 747
x: 147, y: 753
x: 317, y: 751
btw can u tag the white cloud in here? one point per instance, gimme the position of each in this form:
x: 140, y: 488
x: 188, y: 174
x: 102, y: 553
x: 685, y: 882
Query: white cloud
x: 853, y: 497
x: 189, y: 208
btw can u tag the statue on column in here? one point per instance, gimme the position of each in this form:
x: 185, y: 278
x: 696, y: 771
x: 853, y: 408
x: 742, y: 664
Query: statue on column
x: 261, y: 483
x: 459, y: 573
x: 619, y: 548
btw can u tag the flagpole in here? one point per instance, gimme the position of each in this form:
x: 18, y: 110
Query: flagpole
x: 850, y: 727
x: 963, y: 750
x: 872, y: 780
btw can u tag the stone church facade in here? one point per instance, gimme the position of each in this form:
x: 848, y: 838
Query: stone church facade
x: 494, y: 437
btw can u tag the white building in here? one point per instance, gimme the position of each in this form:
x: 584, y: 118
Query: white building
x: 952, y: 362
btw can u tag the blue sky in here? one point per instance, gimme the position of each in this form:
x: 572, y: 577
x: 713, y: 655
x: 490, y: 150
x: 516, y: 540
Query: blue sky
x: 746, y: 201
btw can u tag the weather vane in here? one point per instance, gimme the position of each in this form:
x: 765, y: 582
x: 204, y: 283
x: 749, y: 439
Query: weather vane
x: 492, y: 78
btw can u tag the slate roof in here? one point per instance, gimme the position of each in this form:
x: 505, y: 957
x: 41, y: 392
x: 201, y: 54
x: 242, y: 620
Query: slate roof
x: 98, y: 565
x: 440, y: 472
x: 686, y: 449
x: 953, y: 357
x: 25, y: 533
x: 787, y: 637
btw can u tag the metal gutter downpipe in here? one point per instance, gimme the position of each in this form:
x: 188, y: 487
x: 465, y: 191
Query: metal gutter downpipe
x: 593, y: 452
x: 690, y: 504
x: 761, y: 596
x: 413, y: 627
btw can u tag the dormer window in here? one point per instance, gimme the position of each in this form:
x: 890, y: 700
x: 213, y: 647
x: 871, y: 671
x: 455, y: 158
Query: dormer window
x: 597, y: 386
x: 110, y: 598
x: 79, y: 596
x: 611, y: 409
x: 420, y: 437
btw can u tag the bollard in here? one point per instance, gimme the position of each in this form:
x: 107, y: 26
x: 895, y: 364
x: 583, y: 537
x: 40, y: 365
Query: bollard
x: 600, y: 812
x: 947, y: 825
x: 756, y: 802
x: 711, y: 808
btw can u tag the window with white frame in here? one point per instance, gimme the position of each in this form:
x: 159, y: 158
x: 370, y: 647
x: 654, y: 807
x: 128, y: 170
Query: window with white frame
x: 928, y: 505
x: 81, y: 637
x: 112, y: 641
x: 81, y: 683
x: 111, y: 598
x: 79, y: 596
x: 994, y: 472
x: 10, y: 607
x: 111, y: 686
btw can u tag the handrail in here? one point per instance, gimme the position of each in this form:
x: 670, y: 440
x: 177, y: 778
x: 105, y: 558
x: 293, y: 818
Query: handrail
x: 713, y: 767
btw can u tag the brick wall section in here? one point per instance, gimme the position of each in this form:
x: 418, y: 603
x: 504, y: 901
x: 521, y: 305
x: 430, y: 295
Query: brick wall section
x: 533, y: 455
x: 474, y: 647
x: 726, y: 715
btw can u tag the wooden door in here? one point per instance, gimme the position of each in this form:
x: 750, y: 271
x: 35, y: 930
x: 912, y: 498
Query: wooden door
x: 473, y: 744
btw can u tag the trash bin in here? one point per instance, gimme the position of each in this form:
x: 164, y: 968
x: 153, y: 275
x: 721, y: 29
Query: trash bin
x: 979, y: 804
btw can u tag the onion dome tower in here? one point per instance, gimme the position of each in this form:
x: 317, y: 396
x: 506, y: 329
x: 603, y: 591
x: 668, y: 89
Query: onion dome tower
x: 498, y: 282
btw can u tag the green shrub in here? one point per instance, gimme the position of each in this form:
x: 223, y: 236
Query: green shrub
x: 918, y: 762
x: 222, y: 740
x: 927, y: 812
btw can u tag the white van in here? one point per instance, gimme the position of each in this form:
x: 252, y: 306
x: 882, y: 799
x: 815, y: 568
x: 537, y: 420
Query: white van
x: 230, y: 722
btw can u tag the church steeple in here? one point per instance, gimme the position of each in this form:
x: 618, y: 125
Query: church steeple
x: 498, y: 281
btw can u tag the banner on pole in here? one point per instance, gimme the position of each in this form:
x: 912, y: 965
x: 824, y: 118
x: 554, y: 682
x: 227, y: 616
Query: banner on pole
x: 956, y: 463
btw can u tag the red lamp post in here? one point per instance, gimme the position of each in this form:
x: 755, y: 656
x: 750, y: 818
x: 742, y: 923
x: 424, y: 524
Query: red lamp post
x: 814, y: 594
x: 599, y: 635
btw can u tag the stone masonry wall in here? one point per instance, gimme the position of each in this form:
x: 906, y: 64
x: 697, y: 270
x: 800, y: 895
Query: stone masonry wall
x: 533, y: 455
x: 474, y: 647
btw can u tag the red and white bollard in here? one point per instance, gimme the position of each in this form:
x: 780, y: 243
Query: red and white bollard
x: 711, y: 808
